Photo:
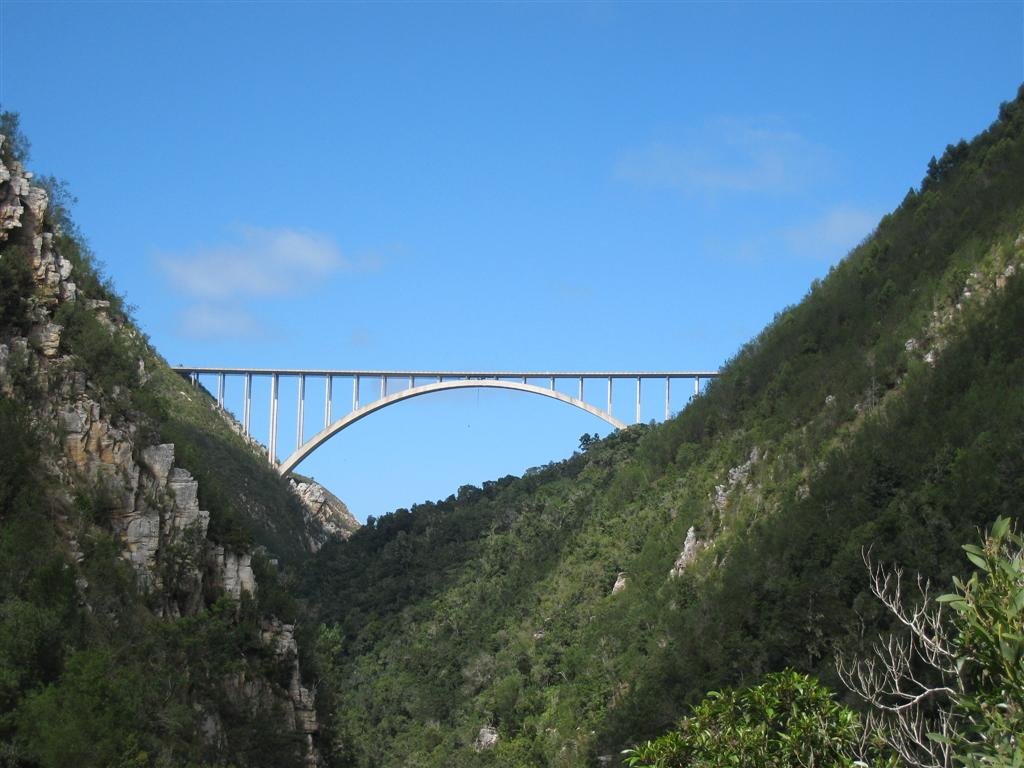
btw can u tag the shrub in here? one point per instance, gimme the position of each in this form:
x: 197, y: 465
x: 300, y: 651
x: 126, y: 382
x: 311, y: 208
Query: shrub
x: 789, y: 720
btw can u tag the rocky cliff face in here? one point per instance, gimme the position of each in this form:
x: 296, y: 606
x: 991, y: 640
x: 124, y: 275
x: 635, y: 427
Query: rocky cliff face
x: 152, y: 505
x: 327, y: 515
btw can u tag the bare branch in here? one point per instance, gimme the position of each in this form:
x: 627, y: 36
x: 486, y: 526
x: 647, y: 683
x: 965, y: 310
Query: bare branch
x: 906, y: 708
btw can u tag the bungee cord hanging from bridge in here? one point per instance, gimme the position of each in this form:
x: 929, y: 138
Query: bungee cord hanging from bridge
x: 396, y: 386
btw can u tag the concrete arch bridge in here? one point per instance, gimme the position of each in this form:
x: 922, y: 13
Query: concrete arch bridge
x: 396, y: 386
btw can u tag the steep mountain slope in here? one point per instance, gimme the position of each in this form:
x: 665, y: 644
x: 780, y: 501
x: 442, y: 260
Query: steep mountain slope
x: 142, y: 619
x: 556, y: 618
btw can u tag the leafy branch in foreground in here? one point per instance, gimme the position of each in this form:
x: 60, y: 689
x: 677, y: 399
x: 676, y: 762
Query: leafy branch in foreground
x: 950, y: 690
x: 787, y: 721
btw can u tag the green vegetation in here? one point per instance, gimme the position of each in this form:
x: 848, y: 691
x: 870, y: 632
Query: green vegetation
x: 787, y: 721
x: 16, y: 146
x: 827, y: 433
x: 989, y: 651
x: 113, y: 685
x: 249, y: 503
x: 90, y: 674
x: 883, y: 411
x: 943, y: 692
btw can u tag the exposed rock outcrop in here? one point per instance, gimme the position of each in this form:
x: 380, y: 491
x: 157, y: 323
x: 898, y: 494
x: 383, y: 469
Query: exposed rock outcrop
x: 281, y: 637
x: 232, y: 572
x: 151, y: 505
x: 487, y: 739
x: 737, y: 477
x: 327, y: 517
x: 692, y: 547
x: 999, y: 267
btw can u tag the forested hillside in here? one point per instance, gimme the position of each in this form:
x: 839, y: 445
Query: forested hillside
x: 557, y: 618
x: 161, y: 602
x: 143, y: 621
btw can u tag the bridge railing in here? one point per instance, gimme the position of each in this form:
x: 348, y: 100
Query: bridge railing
x: 410, y: 380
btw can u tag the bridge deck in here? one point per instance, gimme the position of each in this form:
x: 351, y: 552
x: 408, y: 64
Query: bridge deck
x: 400, y: 373
x: 411, y: 387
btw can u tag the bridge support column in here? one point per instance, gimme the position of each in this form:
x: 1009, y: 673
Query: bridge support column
x: 696, y: 385
x: 300, y: 415
x: 220, y: 389
x: 637, y: 399
x: 609, y: 395
x: 383, y: 387
x: 668, y: 397
x: 355, y: 393
x: 579, y: 396
x: 327, y: 400
x: 272, y: 442
x: 247, y: 404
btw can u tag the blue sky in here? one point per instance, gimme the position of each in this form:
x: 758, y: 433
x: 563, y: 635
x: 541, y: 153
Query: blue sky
x: 541, y: 186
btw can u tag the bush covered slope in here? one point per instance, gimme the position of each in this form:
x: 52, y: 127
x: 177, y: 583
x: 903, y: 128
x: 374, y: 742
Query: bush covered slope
x: 135, y: 629
x: 886, y: 410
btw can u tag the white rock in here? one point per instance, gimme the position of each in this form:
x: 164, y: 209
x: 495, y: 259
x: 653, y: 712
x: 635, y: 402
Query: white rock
x: 158, y: 459
x: 487, y: 739
x: 46, y: 338
x: 36, y: 200
x: 142, y: 540
x: 187, y: 514
x: 238, y: 575
x: 620, y: 583
x: 326, y: 517
x: 691, y: 548
x: 64, y: 268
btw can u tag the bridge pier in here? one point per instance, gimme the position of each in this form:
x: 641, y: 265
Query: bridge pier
x: 299, y: 416
x: 418, y: 383
x: 247, y: 404
x: 272, y: 442
x: 328, y: 383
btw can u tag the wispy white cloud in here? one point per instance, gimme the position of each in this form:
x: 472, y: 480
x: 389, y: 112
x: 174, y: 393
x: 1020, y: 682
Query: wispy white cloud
x: 360, y: 338
x: 729, y: 155
x: 832, y: 234
x: 260, y: 262
x: 826, y: 237
x: 209, y: 322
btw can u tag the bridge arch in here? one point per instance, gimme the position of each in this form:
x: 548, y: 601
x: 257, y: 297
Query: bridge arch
x: 352, y: 417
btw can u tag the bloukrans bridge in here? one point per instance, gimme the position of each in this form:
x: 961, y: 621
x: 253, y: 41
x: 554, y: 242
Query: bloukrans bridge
x: 396, y: 386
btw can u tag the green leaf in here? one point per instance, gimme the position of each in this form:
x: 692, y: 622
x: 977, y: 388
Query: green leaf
x: 978, y: 561
x: 1018, y: 600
